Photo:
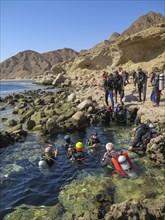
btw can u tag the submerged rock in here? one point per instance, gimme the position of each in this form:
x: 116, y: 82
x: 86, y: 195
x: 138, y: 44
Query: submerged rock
x: 27, y: 212
x: 84, y: 195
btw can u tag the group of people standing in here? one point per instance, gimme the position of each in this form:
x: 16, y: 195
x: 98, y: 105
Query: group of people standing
x: 114, y: 84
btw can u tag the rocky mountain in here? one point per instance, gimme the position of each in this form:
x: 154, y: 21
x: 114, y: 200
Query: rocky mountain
x: 142, y: 44
x: 145, y: 49
x: 29, y: 64
x: 144, y: 22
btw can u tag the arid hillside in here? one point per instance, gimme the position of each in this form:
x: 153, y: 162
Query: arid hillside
x: 145, y: 49
x: 29, y: 64
x: 144, y: 22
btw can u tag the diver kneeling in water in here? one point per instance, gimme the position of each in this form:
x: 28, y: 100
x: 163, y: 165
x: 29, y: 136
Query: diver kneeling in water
x: 120, y: 161
x: 142, y: 136
x: 48, y: 158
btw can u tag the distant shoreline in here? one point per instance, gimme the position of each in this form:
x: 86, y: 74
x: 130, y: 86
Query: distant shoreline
x: 6, y: 80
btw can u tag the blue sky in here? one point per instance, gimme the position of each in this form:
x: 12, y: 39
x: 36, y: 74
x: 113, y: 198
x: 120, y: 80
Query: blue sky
x: 46, y: 25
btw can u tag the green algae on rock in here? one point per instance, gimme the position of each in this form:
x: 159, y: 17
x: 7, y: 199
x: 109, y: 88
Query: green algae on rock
x: 82, y: 193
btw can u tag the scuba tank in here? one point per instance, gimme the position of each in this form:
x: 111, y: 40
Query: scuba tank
x: 161, y: 81
x: 127, y: 167
x: 124, y: 163
x: 42, y: 164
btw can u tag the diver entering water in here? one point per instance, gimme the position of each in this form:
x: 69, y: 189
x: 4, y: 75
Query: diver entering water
x: 120, y: 160
x: 106, y: 115
x: 121, y: 113
x: 142, y: 136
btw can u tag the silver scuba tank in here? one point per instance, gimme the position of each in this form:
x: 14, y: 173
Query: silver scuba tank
x: 161, y: 81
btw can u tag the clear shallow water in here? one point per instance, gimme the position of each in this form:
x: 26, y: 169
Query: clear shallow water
x: 22, y: 182
x: 16, y: 86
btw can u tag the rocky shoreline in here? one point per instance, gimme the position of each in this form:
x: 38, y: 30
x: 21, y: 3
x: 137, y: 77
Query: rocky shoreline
x: 71, y: 108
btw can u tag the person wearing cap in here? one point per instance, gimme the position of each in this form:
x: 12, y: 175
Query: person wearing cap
x: 112, y: 157
x: 49, y: 156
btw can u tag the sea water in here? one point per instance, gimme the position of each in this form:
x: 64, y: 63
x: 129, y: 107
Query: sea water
x: 8, y: 87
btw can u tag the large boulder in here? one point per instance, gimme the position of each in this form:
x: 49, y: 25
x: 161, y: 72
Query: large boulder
x: 15, y: 128
x: 57, y: 69
x: 36, y: 117
x: 58, y: 80
x: 51, y: 126
x: 47, y: 79
x: 5, y: 139
x: 85, y: 104
x: 156, y: 149
x: 30, y: 124
x: 11, y: 122
x: 71, y: 97
x: 79, y: 116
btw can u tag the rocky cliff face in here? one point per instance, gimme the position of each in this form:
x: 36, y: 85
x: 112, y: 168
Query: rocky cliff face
x: 145, y: 48
x: 144, y: 22
x: 142, y: 44
x: 29, y: 64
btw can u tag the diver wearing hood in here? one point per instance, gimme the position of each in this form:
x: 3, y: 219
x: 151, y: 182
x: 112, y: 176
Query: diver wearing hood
x: 49, y: 157
x: 120, y: 160
x: 69, y: 146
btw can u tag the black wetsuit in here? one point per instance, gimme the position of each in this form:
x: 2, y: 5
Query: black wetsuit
x: 49, y: 160
x: 118, y: 86
x: 139, y: 140
x: 92, y: 141
x: 140, y: 81
x: 79, y: 156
